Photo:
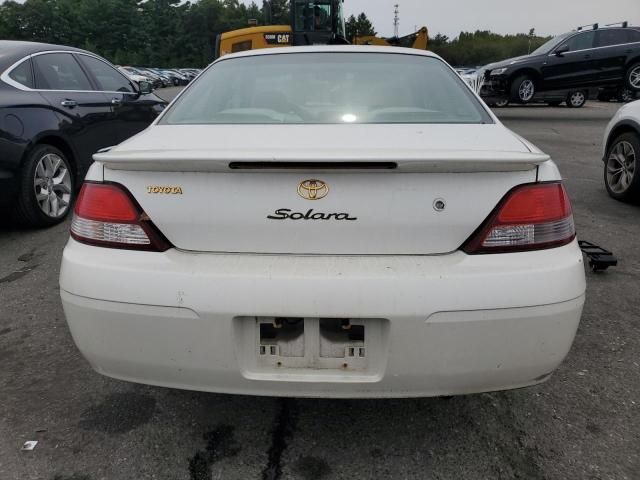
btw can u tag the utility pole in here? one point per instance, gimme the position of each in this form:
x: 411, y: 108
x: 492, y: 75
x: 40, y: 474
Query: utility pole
x: 531, y: 34
x: 396, y: 20
x: 268, y: 14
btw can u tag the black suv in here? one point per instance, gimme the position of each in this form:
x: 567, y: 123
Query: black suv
x: 584, y: 58
x: 58, y: 106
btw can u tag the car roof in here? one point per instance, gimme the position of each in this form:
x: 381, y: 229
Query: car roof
x: 331, y: 49
x: 11, y: 50
x: 607, y: 27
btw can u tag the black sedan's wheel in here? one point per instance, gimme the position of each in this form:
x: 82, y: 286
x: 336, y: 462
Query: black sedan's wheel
x: 627, y: 95
x: 523, y: 89
x: 46, y: 188
x: 621, y: 175
x: 633, y: 78
x: 576, y: 99
x: 501, y: 103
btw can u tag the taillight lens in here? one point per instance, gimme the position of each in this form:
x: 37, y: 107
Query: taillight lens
x: 529, y: 217
x: 107, y: 215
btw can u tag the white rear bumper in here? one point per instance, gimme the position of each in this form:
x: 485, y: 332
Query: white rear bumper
x: 454, y: 324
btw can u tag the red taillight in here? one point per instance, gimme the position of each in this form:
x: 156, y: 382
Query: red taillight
x: 105, y: 202
x: 107, y: 215
x: 529, y: 217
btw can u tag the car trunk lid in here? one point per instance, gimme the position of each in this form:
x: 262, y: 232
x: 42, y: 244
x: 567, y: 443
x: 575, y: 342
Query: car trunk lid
x: 379, y: 189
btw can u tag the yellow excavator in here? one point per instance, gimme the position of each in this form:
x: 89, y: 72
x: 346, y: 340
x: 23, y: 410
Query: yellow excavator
x: 313, y: 22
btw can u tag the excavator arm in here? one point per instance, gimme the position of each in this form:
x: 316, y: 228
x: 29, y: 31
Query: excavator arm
x: 418, y: 40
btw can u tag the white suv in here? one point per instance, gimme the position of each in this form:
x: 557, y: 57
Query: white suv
x: 621, y: 154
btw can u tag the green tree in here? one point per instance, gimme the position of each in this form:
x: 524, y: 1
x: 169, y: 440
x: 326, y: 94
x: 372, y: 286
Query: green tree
x: 11, y: 20
x: 438, y: 41
x: 482, y: 47
x: 359, y: 27
x: 178, y: 33
x: 276, y: 12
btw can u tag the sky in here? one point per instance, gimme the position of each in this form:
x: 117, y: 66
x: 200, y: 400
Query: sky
x: 548, y: 17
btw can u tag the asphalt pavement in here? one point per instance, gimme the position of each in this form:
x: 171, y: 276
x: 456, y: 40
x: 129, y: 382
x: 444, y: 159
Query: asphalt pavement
x: 168, y: 94
x: 584, y: 423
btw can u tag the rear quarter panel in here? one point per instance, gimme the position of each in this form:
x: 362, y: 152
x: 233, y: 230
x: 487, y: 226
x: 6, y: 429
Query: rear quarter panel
x: 25, y: 118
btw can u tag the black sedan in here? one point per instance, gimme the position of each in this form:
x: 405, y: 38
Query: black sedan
x: 58, y: 106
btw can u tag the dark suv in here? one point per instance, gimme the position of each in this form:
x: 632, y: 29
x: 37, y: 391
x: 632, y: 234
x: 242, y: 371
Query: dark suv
x: 585, y: 58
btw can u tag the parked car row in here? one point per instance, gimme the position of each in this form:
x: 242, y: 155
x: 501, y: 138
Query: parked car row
x: 60, y: 105
x: 161, y: 77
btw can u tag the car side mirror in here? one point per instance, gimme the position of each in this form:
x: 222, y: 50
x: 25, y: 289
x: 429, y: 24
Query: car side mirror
x: 561, y: 50
x: 145, y: 88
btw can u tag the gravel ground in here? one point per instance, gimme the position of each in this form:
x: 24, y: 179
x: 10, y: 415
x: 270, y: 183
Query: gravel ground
x: 582, y: 424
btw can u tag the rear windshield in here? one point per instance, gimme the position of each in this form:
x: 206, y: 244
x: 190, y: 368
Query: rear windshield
x: 327, y: 88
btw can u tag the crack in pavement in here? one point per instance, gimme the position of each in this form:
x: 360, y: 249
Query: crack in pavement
x: 12, y: 277
x: 283, y: 428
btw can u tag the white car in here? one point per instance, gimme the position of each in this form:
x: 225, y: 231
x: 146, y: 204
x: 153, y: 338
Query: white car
x: 474, y: 78
x: 340, y: 221
x: 621, y: 154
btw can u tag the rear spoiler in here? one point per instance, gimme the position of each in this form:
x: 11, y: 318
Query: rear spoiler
x: 219, y: 160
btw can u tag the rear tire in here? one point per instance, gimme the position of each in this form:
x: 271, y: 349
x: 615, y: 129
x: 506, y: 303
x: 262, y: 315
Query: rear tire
x: 46, y: 188
x: 627, y: 95
x: 576, y: 99
x: 523, y: 89
x: 503, y: 102
x: 621, y: 175
x: 633, y: 78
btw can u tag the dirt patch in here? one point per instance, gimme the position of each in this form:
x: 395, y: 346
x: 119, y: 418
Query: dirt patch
x: 220, y: 444
x: 312, y: 468
x: 119, y: 413
x: 12, y: 277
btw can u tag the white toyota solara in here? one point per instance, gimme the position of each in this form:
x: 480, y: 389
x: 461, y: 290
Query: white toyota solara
x: 325, y: 222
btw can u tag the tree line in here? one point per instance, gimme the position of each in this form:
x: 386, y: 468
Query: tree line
x: 483, y: 47
x: 175, y: 33
x: 136, y: 32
